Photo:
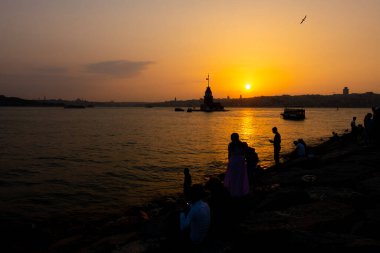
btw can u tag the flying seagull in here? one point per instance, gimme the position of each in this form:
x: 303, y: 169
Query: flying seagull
x: 303, y: 19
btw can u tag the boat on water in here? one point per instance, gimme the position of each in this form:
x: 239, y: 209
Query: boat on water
x: 293, y: 113
x: 74, y: 106
x: 178, y: 109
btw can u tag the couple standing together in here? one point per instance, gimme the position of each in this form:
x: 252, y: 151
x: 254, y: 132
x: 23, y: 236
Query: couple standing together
x: 236, y: 179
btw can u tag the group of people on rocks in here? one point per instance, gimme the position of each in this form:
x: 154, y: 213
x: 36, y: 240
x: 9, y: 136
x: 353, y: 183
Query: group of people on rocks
x: 241, y: 172
x: 369, y: 131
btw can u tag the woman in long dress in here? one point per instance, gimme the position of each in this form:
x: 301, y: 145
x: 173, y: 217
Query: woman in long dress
x: 236, y: 179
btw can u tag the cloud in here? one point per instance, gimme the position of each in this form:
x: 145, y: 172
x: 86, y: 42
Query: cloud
x: 51, y: 70
x: 120, y: 68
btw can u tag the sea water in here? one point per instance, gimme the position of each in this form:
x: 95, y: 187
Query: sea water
x: 55, y: 160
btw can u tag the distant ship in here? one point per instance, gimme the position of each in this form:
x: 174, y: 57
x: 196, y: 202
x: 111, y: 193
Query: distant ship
x: 294, y: 113
x: 208, y: 102
x: 74, y: 106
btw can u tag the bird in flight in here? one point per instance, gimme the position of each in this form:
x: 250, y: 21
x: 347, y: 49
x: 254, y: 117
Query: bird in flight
x: 303, y: 19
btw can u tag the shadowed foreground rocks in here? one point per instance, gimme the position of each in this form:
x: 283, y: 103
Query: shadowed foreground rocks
x: 328, y: 202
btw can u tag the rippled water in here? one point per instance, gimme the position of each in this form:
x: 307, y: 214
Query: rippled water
x: 56, y: 160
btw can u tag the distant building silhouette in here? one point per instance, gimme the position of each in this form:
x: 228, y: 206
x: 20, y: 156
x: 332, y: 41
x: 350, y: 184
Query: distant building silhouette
x: 346, y: 91
x: 208, y: 101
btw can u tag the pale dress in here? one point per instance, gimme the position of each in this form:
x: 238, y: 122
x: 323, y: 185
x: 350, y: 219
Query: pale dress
x: 236, y: 178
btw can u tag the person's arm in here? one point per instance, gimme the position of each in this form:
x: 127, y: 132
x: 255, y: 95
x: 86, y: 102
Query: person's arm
x: 185, y: 220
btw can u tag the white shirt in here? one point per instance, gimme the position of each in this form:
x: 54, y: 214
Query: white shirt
x: 197, y: 220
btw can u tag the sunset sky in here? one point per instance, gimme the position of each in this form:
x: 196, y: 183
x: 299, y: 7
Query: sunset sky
x: 140, y: 50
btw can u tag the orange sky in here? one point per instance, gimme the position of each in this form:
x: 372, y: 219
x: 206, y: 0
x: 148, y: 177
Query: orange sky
x: 156, y: 50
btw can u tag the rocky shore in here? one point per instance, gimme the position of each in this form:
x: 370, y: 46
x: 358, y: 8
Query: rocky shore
x: 329, y: 201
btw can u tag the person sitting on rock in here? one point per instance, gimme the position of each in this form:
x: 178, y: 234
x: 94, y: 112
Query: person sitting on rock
x: 300, y: 149
x: 196, y: 222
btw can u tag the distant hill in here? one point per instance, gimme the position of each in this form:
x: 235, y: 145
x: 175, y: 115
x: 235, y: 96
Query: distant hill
x: 14, y: 101
x: 364, y: 100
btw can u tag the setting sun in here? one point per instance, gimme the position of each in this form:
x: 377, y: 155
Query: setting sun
x: 247, y: 86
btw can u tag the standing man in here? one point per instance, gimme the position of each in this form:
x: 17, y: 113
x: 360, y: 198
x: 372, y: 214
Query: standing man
x: 276, y: 145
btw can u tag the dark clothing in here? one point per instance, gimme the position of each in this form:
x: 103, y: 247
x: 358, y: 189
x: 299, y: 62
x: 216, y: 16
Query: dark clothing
x: 277, y: 147
x: 187, y: 185
x: 354, y: 129
x: 277, y: 141
x: 376, y: 125
x: 252, y: 159
x: 236, y: 148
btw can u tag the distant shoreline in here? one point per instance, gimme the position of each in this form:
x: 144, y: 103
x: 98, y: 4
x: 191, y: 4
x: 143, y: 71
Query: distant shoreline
x: 363, y: 100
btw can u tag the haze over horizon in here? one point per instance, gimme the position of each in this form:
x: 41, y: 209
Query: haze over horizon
x: 140, y: 50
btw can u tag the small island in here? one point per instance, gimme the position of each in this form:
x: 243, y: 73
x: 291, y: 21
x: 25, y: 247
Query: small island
x: 208, y: 102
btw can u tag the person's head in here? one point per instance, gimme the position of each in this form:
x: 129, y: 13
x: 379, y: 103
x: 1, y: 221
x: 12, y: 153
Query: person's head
x: 197, y: 192
x: 353, y: 118
x: 186, y: 171
x: 234, y: 137
x: 274, y: 130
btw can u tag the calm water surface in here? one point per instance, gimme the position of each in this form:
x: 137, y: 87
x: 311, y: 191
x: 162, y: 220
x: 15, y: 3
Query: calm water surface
x: 55, y: 160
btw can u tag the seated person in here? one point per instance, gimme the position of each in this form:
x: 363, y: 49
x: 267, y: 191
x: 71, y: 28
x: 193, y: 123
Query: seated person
x: 196, y: 222
x: 335, y: 136
x: 304, y: 144
x: 300, y: 149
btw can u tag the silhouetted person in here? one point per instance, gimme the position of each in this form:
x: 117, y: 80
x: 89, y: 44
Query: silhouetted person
x: 376, y: 124
x: 196, y: 222
x: 252, y: 159
x: 187, y: 182
x: 220, y: 207
x: 354, y: 127
x: 368, y: 128
x: 236, y: 179
x: 304, y: 144
x: 300, y: 150
x: 276, y: 145
x: 353, y: 123
x: 335, y: 136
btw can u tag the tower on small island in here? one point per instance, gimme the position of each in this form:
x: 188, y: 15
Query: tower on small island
x: 208, y: 100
